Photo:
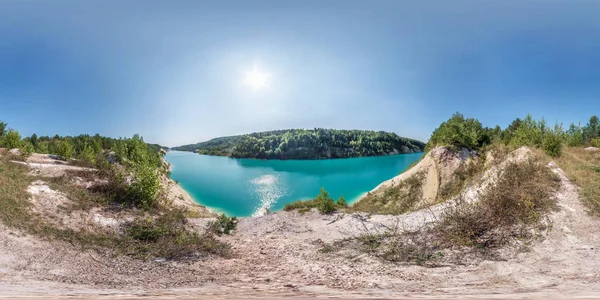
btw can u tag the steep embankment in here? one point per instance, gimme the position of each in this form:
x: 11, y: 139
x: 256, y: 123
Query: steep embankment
x: 290, y: 253
x: 439, y: 175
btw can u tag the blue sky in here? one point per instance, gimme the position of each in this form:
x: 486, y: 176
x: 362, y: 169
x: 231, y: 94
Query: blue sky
x: 173, y: 71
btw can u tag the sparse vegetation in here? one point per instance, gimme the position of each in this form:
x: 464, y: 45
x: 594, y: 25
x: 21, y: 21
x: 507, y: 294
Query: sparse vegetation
x: 583, y: 168
x: 223, y: 225
x: 513, y: 208
x: 322, y: 202
x: 397, y: 199
x: 129, y: 185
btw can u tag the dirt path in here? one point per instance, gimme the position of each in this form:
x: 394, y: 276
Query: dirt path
x: 277, y: 255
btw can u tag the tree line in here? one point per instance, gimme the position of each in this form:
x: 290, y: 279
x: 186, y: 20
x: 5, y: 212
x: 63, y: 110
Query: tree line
x: 141, y: 162
x: 461, y: 132
x: 315, y: 143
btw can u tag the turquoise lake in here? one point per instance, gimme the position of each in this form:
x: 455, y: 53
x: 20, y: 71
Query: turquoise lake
x: 246, y: 187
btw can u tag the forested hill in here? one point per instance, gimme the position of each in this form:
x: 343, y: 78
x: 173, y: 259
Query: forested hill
x: 307, y: 144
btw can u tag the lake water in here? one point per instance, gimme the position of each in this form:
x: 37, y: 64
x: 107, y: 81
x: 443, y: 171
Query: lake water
x: 246, y: 187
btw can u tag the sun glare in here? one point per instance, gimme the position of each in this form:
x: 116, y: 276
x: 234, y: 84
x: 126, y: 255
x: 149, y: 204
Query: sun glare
x: 257, y: 80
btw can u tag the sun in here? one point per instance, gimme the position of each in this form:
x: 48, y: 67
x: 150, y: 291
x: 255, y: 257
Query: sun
x: 256, y: 79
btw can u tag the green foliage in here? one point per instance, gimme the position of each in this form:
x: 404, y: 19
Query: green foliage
x: 88, y: 154
x: 574, y: 136
x: 592, y: 129
x: 552, y: 142
x: 26, y: 148
x: 529, y: 133
x: 325, y: 203
x: 12, y: 139
x: 305, y: 205
x: 322, y: 202
x: 64, y: 149
x: 166, y: 236
x: 223, y: 225
x: 595, y: 142
x: 317, y: 143
x: 459, y: 132
x: 144, y: 187
x: 2, y: 128
x: 341, y: 202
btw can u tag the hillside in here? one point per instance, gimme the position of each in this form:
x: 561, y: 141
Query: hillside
x: 315, y: 143
x: 307, y: 253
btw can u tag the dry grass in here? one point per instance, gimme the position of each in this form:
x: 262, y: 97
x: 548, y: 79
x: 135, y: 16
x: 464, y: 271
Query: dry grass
x: 511, y: 209
x: 14, y: 206
x: 583, y: 168
x: 395, y: 200
x: 158, y: 233
x: 523, y: 193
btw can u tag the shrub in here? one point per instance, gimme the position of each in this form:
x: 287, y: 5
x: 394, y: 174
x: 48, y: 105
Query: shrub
x: 301, y: 204
x: 325, y: 203
x: 595, y: 142
x: 223, y: 225
x: 88, y: 154
x: 64, y: 149
x: 12, y: 139
x: 166, y: 236
x: 341, y: 202
x: 144, y: 187
x: 552, y: 144
x: 521, y: 195
x: 459, y: 132
x: 528, y: 133
x: 26, y: 148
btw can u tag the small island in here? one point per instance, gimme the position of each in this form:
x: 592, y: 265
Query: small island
x: 315, y: 143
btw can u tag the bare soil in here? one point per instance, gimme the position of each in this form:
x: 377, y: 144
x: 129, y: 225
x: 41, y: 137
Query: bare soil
x: 278, y: 255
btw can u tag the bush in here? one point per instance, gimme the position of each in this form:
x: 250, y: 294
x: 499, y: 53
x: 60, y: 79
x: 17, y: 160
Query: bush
x: 552, y: 144
x: 301, y: 204
x: 341, y: 202
x: 144, y: 187
x: 64, y: 149
x: 595, y: 142
x: 528, y: 133
x: 12, y: 139
x: 521, y: 195
x: 459, y: 132
x: 325, y: 203
x: 26, y: 148
x: 166, y: 236
x: 223, y: 225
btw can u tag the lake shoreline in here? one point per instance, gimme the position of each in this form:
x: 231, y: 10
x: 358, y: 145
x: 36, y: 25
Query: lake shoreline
x: 244, y: 187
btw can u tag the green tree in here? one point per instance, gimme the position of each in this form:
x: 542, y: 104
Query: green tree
x: 2, y: 128
x: 459, y: 132
x: 592, y: 129
x: 529, y: 133
x: 26, y: 148
x: 325, y: 203
x: 552, y: 142
x: 88, y: 154
x: 574, y: 136
x: 34, y: 140
x: 341, y: 202
x: 144, y: 187
x: 64, y: 149
x: 12, y: 139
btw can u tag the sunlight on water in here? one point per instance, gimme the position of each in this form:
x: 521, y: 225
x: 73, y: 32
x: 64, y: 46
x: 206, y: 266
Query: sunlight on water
x: 269, y: 188
x: 246, y: 187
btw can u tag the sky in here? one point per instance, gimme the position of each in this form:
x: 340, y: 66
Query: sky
x: 175, y: 71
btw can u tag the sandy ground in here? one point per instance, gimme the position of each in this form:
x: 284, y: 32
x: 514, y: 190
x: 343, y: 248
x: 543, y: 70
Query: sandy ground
x: 277, y: 256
